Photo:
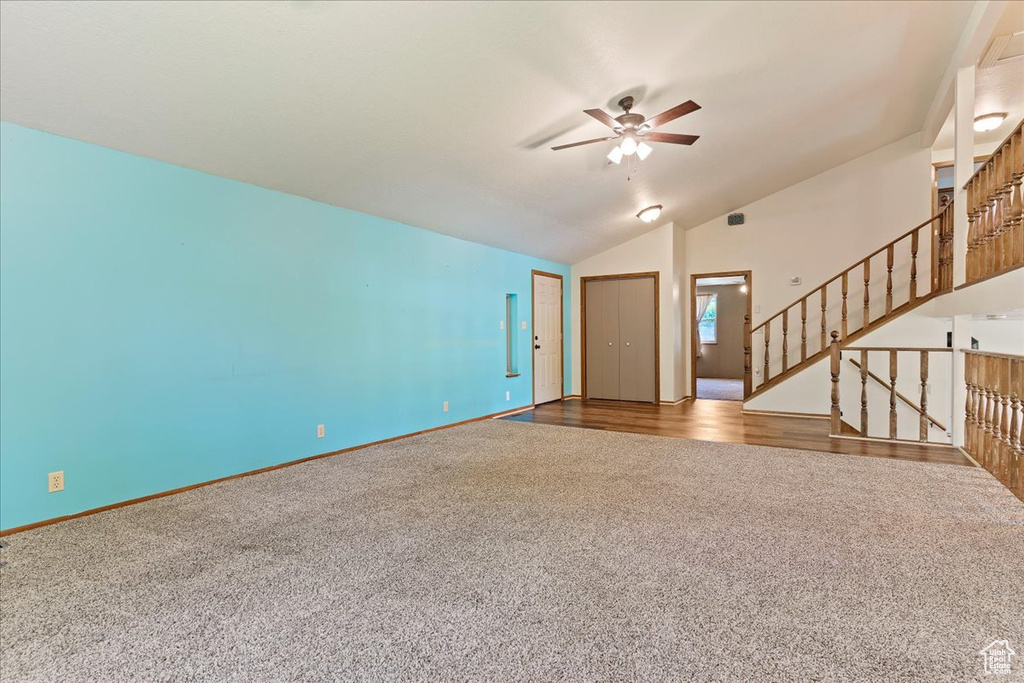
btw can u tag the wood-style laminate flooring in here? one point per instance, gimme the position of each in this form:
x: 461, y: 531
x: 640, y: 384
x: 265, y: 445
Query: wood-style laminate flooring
x: 725, y: 421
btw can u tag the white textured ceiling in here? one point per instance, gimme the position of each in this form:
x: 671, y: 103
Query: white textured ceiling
x: 440, y: 115
x: 997, y: 88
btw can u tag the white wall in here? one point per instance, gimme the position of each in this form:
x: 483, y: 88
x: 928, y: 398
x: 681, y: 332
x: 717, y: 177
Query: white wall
x: 812, y: 230
x: 653, y: 251
x: 819, y: 227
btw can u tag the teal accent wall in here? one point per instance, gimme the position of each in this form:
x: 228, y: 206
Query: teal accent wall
x: 161, y: 327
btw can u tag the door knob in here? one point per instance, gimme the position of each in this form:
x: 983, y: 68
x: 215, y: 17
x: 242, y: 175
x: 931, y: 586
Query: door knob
x: 627, y: 343
x: 536, y: 346
x: 609, y: 343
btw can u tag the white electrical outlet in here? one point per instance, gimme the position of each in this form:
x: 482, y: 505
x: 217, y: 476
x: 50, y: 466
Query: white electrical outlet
x: 319, y: 431
x: 446, y: 406
x: 56, y: 481
x: 508, y: 395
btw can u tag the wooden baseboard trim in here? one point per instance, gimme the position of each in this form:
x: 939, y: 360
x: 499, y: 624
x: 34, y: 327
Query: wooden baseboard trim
x: 674, y: 403
x: 968, y: 456
x: 572, y: 397
x: 784, y: 413
x: 881, y: 440
x: 270, y: 468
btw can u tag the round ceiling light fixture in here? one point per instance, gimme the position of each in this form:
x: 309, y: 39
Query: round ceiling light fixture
x: 987, y: 122
x: 650, y: 214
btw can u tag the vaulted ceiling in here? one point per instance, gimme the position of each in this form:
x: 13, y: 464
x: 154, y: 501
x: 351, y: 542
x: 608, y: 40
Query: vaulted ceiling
x: 441, y: 115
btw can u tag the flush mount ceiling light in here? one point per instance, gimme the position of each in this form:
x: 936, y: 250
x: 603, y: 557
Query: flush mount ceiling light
x: 987, y: 122
x: 650, y: 214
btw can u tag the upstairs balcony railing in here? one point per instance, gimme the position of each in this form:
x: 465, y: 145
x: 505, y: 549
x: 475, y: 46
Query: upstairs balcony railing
x: 995, y: 233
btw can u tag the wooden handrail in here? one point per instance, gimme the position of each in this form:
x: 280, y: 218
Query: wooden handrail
x: 930, y: 349
x: 995, y: 210
x: 876, y: 252
x: 900, y: 396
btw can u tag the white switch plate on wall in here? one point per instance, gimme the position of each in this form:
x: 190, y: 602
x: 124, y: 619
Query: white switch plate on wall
x: 508, y: 395
x: 524, y: 324
x: 446, y: 406
x: 319, y: 431
x: 56, y: 481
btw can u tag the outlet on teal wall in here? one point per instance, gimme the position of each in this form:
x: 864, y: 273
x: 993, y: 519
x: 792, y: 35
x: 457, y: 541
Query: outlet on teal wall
x: 161, y: 327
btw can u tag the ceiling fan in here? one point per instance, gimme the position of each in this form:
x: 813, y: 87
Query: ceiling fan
x: 635, y: 131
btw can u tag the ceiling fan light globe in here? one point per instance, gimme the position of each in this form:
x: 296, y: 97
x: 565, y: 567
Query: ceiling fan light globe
x: 628, y: 146
x: 643, y: 150
x: 615, y: 156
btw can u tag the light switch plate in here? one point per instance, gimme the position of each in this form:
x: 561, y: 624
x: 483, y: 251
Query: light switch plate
x: 524, y: 324
x: 501, y: 324
x: 319, y: 431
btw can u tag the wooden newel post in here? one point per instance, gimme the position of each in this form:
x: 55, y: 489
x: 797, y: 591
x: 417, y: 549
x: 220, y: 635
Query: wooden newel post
x: 747, y: 363
x: 835, y: 427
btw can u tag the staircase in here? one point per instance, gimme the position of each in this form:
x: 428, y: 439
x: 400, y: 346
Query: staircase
x: 910, y: 270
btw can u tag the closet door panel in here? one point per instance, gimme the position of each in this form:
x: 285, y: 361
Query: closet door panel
x: 645, y: 336
x: 602, y: 339
x: 628, y: 334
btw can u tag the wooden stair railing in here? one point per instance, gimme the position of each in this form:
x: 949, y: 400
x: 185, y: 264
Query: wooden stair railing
x: 866, y: 374
x: 938, y: 228
x: 995, y: 233
x: 895, y: 397
x: 994, y: 415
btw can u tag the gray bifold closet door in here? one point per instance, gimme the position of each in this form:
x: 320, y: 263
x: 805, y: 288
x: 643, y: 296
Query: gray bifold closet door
x: 620, y: 339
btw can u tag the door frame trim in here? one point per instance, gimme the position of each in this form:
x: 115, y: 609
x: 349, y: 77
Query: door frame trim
x: 657, y: 326
x: 689, y: 321
x: 561, y: 334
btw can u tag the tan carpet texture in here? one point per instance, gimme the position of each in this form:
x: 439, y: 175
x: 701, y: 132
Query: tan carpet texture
x: 507, y: 551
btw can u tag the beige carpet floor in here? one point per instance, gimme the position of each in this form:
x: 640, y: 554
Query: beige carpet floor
x: 507, y: 551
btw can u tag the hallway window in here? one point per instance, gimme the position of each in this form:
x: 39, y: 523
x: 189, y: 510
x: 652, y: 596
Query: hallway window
x: 708, y: 326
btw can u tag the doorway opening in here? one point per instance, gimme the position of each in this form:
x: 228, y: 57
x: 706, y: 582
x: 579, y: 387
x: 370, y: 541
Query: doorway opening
x: 719, y: 317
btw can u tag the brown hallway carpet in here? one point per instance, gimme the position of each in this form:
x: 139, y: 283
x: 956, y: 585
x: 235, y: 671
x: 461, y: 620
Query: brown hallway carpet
x: 507, y: 551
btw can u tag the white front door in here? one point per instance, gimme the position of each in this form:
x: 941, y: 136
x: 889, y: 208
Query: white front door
x: 547, y: 338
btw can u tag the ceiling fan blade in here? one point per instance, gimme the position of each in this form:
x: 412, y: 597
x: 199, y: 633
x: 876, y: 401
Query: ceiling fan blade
x: 606, y: 119
x: 585, y: 142
x: 672, y: 114
x: 674, y: 138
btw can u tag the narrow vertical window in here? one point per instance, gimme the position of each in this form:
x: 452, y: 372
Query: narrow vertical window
x: 511, y: 355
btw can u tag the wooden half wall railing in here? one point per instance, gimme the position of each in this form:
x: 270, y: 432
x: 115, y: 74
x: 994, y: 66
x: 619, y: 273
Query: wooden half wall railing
x: 995, y: 232
x: 921, y: 377
x: 796, y: 336
x: 994, y: 415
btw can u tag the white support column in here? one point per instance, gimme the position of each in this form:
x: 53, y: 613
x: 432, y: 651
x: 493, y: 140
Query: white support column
x: 963, y: 166
x: 961, y: 340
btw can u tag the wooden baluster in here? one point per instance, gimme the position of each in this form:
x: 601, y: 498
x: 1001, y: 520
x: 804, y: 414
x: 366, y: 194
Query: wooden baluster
x: 1006, y: 445
x: 747, y: 364
x: 785, y: 340
x: 835, y: 416
x: 913, y: 264
x: 888, y: 279
x: 924, y: 396
x: 969, y: 406
x: 1016, y: 199
x: 997, y: 423
x: 892, y: 394
x: 971, y: 230
x: 767, y: 339
x: 803, y: 329
x: 1017, y: 426
x: 983, y: 246
x: 824, y: 305
x: 867, y: 294
x: 842, y: 325
x: 986, y: 415
x: 1002, y: 205
x: 863, y: 393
